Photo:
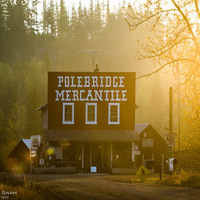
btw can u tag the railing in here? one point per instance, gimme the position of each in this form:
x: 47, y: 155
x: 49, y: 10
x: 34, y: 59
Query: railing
x: 63, y: 164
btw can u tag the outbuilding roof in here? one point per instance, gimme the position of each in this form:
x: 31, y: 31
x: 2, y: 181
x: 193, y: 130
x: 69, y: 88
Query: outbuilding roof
x: 21, y: 149
x: 27, y: 142
x: 42, y: 107
x: 139, y: 128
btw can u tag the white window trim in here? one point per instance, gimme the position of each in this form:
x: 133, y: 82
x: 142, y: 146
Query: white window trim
x: 113, y: 104
x: 86, y: 113
x: 71, y: 122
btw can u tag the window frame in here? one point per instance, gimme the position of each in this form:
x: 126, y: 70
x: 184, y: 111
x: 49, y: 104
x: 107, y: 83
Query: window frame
x: 147, y: 142
x: 64, y: 120
x: 118, y: 112
x: 86, y: 113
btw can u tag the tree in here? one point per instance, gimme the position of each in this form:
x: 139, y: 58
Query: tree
x: 49, y: 26
x: 173, y: 42
x: 174, y: 29
x: 2, y: 26
x: 63, y: 21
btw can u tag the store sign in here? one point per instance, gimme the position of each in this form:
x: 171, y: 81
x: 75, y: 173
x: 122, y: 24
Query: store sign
x: 137, y: 152
x: 80, y: 88
x: 75, y: 88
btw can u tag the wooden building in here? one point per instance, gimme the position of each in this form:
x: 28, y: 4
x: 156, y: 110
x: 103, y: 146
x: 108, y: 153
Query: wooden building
x: 88, y: 125
x: 21, y: 154
x: 152, y: 148
x: 89, y: 121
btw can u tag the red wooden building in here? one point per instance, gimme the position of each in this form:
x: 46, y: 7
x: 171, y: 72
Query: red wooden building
x: 89, y: 124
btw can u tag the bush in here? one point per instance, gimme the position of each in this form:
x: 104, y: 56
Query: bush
x: 184, y: 179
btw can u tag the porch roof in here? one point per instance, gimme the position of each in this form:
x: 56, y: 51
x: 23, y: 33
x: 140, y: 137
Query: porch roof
x: 92, y: 135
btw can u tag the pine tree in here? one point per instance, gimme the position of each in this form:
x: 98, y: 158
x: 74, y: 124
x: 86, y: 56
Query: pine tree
x: 98, y: 17
x: 63, y: 21
x: 74, y: 23
x: 51, y: 18
x: 34, y: 20
x: 2, y: 28
x: 44, y: 21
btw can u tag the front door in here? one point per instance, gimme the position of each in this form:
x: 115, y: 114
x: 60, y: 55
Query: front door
x: 97, y: 154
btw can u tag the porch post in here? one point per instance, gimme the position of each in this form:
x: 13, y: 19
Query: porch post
x: 163, y: 164
x: 143, y: 159
x: 90, y: 155
x: 111, y: 155
x: 102, y: 150
x: 82, y: 155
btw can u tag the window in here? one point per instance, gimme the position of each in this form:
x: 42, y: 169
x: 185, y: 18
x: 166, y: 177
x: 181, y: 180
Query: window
x: 113, y: 113
x: 91, y: 113
x: 68, y: 113
x: 145, y: 134
x: 147, y: 142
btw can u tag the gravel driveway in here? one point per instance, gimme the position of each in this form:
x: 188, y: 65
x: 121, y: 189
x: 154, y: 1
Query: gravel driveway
x: 103, y: 187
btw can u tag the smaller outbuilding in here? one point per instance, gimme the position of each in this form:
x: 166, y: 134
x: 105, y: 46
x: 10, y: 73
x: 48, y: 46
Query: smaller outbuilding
x: 151, y: 148
x: 21, y: 155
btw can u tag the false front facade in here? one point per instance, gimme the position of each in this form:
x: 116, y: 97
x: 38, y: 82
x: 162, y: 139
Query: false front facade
x: 89, y: 121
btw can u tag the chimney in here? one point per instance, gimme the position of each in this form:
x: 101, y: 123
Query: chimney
x: 96, y: 67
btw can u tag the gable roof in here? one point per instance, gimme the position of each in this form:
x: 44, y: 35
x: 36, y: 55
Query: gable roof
x: 42, y: 107
x: 22, y: 148
x: 141, y: 127
x: 27, y: 142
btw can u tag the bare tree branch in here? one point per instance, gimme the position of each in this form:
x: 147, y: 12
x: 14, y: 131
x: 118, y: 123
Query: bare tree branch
x: 188, y: 24
x: 171, y: 62
x: 163, y: 50
x: 197, y: 8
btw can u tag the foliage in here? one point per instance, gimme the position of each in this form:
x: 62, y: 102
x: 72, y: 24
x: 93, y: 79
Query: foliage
x: 21, y: 95
x: 23, y: 189
x: 183, y: 178
x: 173, y: 42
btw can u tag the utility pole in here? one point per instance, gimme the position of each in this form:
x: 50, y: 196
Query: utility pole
x: 179, y: 108
x: 171, y: 108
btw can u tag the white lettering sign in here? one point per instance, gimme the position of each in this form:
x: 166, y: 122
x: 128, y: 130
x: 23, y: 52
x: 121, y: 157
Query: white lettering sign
x: 86, y: 82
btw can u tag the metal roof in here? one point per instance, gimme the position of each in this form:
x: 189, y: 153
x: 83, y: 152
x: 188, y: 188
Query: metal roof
x: 141, y: 127
x: 43, y: 106
x: 92, y: 135
x: 21, y: 149
x: 27, y: 142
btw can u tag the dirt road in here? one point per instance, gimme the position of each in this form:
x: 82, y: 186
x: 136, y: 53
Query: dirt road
x: 111, y: 187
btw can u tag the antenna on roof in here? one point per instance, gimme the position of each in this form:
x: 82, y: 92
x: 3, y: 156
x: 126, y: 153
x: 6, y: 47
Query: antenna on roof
x: 93, y: 52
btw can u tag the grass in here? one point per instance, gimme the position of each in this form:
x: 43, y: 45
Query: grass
x: 133, y: 178
x: 17, y: 187
x: 183, y: 179
x: 19, y: 192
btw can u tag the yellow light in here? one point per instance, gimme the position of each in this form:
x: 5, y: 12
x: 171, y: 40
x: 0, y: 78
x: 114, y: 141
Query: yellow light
x: 50, y: 151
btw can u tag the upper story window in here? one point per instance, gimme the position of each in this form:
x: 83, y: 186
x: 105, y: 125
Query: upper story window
x: 113, y: 113
x: 147, y: 142
x: 68, y: 113
x: 145, y: 134
x: 91, y: 113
